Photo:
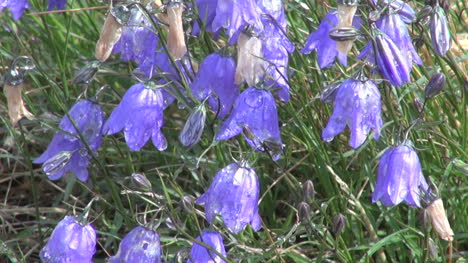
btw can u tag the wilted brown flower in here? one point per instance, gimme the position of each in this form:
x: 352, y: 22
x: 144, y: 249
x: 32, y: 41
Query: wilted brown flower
x: 345, y: 20
x: 175, y: 39
x: 16, y: 108
x: 249, y: 60
x: 110, y: 34
x: 439, y: 219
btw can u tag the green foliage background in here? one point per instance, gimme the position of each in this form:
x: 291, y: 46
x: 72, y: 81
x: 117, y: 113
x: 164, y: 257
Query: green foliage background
x: 61, y: 43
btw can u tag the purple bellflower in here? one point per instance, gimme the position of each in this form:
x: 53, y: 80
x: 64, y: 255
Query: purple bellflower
x: 396, y: 30
x: 392, y: 63
x: 140, y: 115
x: 399, y: 177
x: 326, y: 47
x: 59, y: 4
x: 233, y: 194
x: 66, y: 151
x: 404, y: 10
x: 139, y: 245
x: 200, y: 254
x: 357, y: 104
x: 207, y: 13
x: 216, y: 85
x: 138, y: 43
x: 440, y: 32
x: 234, y: 15
x: 16, y: 7
x: 275, y: 46
x: 70, y: 241
x: 255, y: 109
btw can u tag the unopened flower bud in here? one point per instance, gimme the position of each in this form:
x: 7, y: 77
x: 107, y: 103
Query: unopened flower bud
x: 339, y: 224
x: 308, y: 191
x: 86, y: 74
x: 249, y: 60
x: 440, y: 33
x: 193, y: 128
x: 418, y: 105
x: 110, y: 34
x: 141, y: 182
x: 187, y: 203
x: 439, y: 219
x: 303, y: 211
x: 343, y: 34
x: 329, y: 93
x: 175, y: 39
x: 56, y: 163
x: 435, y: 85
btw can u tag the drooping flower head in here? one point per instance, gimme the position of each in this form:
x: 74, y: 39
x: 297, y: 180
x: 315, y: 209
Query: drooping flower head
x: 255, y: 109
x: 392, y: 63
x: 16, y: 7
x: 200, y: 254
x: 234, y: 195
x: 59, y: 4
x: 275, y: 46
x: 326, y: 47
x: 216, y: 85
x: 357, y: 104
x: 399, y: 177
x: 139, y: 245
x: 138, y: 42
x: 67, y: 151
x: 70, y: 242
x: 235, y: 15
x: 140, y: 115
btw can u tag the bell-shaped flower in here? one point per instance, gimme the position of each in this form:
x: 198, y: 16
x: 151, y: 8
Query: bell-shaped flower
x: 139, y: 245
x: 207, y: 13
x: 201, y: 254
x: 216, y: 85
x: 138, y: 42
x: 235, y: 15
x: 275, y: 46
x: 67, y: 151
x: 326, y: 47
x: 16, y: 7
x: 59, y: 4
x: 140, y: 115
x: 234, y: 195
x: 396, y: 30
x: 399, y: 177
x: 357, y: 104
x: 255, y: 109
x: 392, y: 63
x: 70, y: 241
x: 440, y: 32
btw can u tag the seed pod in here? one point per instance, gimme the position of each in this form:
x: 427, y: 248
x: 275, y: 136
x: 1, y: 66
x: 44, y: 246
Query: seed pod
x: 339, y: 224
x: 141, y: 182
x: 175, y: 39
x: 303, y: 211
x: 110, y: 34
x: 86, y: 74
x: 308, y: 191
x: 56, y: 163
x: 329, y: 93
x: 435, y: 85
x: 440, y: 33
x: 439, y: 219
x: 343, y: 34
x: 193, y: 128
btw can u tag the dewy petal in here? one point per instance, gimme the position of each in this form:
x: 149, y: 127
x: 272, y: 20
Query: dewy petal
x: 139, y: 245
x: 200, y: 253
x: 234, y: 195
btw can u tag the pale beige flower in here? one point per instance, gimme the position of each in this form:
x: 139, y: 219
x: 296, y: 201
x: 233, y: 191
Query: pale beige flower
x: 439, y: 219
x: 250, y: 65
x: 175, y: 39
x: 16, y: 108
x: 345, y: 19
x: 110, y: 34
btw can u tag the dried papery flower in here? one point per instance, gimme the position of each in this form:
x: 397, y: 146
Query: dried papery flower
x: 249, y: 60
x: 110, y: 35
x: 345, y: 13
x: 439, y: 219
x: 440, y: 33
x: 16, y: 108
x: 175, y: 39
